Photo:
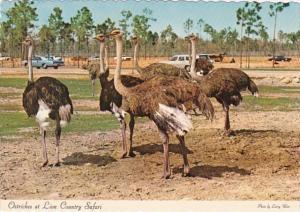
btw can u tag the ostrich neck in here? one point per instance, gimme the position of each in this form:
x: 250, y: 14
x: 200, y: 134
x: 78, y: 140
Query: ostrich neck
x: 135, y: 58
x: 101, y: 58
x: 190, y: 54
x: 117, y: 76
x: 193, y: 62
x: 30, y: 72
x: 106, y: 57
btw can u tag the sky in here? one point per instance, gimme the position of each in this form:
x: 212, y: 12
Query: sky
x: 217, y: 14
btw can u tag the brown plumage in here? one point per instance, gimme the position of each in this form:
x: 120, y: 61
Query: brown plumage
x: 225, y: 84
x: 46, y: 98
x: 203, y: 65
x: 93, y: 69
x: 161, y: 99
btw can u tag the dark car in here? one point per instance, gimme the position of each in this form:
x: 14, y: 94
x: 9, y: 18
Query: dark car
x: 280, y: 58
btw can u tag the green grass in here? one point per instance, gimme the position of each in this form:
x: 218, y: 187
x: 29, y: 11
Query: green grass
x: 280, y: 89
x: 265, y: 103
x: 78, y: 88
x: 13, y: 123
x: 13, y: 82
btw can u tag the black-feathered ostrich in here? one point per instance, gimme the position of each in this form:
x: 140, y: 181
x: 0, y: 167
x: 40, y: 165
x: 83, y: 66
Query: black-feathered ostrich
x: 225, y: 84
x: 111, y: 99
x: 46, y: 98
x: 160, y: 99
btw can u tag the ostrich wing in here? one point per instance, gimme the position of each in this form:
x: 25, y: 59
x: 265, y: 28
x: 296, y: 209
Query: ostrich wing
x: 53, y: 93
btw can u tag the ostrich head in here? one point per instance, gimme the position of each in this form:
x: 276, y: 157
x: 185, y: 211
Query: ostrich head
x: 100, y: 37
x: 134, y: 40
x: 117, y: 34
x: 28, y: 41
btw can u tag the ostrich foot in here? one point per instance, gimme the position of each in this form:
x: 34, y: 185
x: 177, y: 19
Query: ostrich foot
x: 167, y: 175
x: 44, y: 164
x: 131, y: 154
x: 186, y: 172
x: 229, y: 133
x: 123, y: 155
x: 57, y: 164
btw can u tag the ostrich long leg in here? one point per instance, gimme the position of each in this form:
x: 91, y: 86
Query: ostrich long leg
x: 124, y: 145
x: 131, y: 127
x: 167, y: 171
x: 227, y: 129
x: 57, y: 136
x: 186, y: 166
x: 227, y: 121
x: 93, y: 87
x: 43, y: 135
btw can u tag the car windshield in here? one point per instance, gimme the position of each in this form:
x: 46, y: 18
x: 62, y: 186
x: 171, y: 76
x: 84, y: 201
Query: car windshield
x: 173, y: 58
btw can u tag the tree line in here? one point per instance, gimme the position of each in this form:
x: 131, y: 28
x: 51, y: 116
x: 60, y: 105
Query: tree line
x: 75, y: 37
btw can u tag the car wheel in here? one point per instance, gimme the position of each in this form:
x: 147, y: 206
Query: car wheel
x: 55, y: 67
x: 38, y: 67
x: 45, y: 66
x: 187, y: 68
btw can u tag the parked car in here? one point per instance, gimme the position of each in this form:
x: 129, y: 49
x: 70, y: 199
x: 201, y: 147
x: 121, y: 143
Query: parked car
x: 124, y: 58
x: 42, y: 62
x: 205, y: 57
x: 180, y: 61
x: 57, y: 60
x: 93, y: 58
x: 280, y: 58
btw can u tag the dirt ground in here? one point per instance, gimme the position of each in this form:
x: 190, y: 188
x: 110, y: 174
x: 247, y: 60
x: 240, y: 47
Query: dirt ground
x: 260, y: 163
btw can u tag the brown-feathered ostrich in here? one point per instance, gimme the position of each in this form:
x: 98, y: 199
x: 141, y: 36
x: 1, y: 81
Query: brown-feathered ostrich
x: 160, y: 99
x: 93, y: 69
x: 155, y: 69
x: 111, y: 99
x: 46, y: 98
x: 225, y: 84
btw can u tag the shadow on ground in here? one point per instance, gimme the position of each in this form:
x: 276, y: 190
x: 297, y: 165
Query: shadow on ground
x: 154, y: 148
x: 79, y: 158
x: 208, y: 171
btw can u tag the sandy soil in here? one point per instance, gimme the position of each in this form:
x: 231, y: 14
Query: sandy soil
x: 260, y: 163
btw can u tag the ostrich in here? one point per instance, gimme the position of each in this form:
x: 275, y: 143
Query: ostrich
x: 110, y: 98
x: 160, y: 99
x: 225, y: 84
x: 93, y: 70
x: 46, y: 98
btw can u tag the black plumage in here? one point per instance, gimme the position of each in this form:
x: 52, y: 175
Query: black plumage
x: 46, y: 98
x: 51, y: 91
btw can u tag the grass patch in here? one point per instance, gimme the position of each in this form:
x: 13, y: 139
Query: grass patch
x: 78, y: 88
x: 86, y: 123
x: 279, y: 89
x: 15, y: 123
x: 264, y: 103
x: 12, y: 122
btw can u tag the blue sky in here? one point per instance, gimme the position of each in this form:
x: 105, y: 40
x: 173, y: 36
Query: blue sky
x: 217, y: 14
